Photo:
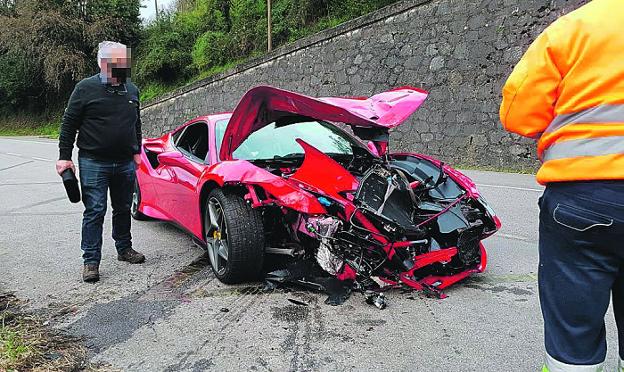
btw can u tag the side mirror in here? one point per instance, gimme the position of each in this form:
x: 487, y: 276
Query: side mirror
x: 173, y: 158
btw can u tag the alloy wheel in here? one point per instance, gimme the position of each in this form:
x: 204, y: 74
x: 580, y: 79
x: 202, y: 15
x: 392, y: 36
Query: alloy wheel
x: 216, y: 236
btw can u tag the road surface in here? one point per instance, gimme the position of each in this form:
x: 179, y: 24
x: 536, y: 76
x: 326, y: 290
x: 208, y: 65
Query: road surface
x: 171, y: 313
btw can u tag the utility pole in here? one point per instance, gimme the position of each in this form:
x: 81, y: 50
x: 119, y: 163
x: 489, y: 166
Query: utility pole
x: 156, y: 6
x: 269, y: 42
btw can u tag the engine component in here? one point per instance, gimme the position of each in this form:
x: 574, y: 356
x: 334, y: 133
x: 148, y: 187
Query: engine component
x: 325, y: 228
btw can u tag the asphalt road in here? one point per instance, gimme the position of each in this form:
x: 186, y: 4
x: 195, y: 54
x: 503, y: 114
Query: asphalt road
x: 171, y: 314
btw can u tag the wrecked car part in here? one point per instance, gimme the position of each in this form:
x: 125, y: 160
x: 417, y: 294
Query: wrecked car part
x: 306, y: 274
x: 263, y: 105
x: 376, y: 299
x: 403, y: 224
x: 283, y: 251
x: 325, y: 258
x: 338, y: 291
x: 297, y: 302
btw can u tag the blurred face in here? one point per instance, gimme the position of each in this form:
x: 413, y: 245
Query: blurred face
x: 115, y: 65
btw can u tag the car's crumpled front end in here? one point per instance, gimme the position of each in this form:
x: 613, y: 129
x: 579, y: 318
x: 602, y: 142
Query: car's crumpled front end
x: 396, y: 221
x: 370, y: 219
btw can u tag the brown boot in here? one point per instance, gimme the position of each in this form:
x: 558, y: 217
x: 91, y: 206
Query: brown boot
x: 132, y: 256
x: 91, y: 273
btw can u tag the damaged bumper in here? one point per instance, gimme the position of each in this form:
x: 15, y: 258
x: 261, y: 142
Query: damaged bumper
x: 410, y: 222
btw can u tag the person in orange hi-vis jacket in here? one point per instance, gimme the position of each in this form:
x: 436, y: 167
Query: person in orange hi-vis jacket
x: 567, y: 92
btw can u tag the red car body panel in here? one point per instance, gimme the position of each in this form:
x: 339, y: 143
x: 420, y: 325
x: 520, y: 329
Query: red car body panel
x: 166, y: 193
x: 171, y: 185
x: 286, y: 192
x: 334, y: 180
x: 263, y: 105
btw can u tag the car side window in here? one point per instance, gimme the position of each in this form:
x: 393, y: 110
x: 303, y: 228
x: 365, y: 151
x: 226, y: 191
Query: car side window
x: 176, y: 135
x: 193, y: 142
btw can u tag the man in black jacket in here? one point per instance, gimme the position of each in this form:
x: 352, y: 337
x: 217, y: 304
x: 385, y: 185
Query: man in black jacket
x: 104, y: 110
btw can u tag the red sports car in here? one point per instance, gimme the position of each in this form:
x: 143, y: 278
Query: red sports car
x: 283, y: 174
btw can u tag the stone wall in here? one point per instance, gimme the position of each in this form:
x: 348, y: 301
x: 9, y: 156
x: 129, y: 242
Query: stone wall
x: 461, y: 51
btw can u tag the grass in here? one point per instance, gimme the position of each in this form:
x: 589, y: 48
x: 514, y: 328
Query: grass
x: 322, y: 24
x: 153, y: 90
x: 30, y: 125
x: 13, y: 347
x: 28, y: 344
x: 50, y: 130
x: 219, y: 69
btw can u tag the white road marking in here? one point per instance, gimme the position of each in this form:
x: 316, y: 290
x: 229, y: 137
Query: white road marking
x: 16, y: 183
x: 510, y: 187
x: 27, y: 141
x: 42, y: 159
x: 512, y: 236
x: 27, y: 157
x: 16, y: 165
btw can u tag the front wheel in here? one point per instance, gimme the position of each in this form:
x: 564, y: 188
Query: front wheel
x: 234, y: 237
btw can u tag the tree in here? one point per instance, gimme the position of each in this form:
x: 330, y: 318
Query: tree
x: 46, y: 46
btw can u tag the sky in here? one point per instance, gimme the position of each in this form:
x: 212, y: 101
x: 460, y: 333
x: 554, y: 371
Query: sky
x: 148, y: 8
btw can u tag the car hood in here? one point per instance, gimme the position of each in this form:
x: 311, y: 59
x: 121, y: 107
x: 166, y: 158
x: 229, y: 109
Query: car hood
x: 264, y: 105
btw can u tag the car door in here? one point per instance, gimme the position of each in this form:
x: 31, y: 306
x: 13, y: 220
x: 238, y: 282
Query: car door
x: 161, y: 175
x: 183, y: 200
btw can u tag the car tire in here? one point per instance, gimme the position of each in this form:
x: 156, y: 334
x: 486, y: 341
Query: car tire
x: 136, y: 201
x: 235, y: 241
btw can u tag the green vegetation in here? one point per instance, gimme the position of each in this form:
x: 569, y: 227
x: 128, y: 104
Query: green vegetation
x: 30, y: 124
x: 27, y: 344
x: 199, y: 38
x: 13, y: 347
x: 46, y: 46
x: 43, y: 129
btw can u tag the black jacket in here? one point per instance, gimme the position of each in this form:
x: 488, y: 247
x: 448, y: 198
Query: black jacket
x: 108, y: 121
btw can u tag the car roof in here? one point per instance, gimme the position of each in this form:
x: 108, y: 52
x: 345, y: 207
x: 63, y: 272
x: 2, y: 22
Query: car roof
x: 212, y: 118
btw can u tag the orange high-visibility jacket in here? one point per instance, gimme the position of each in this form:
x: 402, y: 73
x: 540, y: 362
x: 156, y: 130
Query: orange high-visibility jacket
x: 567, y: 92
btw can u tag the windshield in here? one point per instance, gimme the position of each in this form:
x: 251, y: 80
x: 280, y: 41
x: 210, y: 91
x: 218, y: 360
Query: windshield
x: 274, y: 141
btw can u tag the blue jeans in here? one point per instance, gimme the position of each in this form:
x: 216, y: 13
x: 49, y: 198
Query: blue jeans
x: 96, y: 178
x: 581, y: 248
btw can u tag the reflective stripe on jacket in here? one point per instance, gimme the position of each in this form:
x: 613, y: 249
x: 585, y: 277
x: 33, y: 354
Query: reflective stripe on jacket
x: 567, y: 92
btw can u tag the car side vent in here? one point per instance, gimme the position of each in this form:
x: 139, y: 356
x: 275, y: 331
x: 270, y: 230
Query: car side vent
x: 152, y: 157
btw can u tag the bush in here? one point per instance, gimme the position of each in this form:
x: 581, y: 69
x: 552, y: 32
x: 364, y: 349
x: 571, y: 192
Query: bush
x: 18, y: 82
x: 210, y: 50
x: 164, y: 55
x: 176, y: 44
x: 248, y: 26
x: 46, y: 46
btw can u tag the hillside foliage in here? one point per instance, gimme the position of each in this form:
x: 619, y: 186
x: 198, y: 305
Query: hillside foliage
x: 201, y: 35
x: 46, y: 46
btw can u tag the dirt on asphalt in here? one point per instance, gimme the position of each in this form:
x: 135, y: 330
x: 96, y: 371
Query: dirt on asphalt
x: 29, y: 343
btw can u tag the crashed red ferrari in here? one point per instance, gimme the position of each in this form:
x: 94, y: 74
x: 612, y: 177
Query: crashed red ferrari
x: 281, y: 175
